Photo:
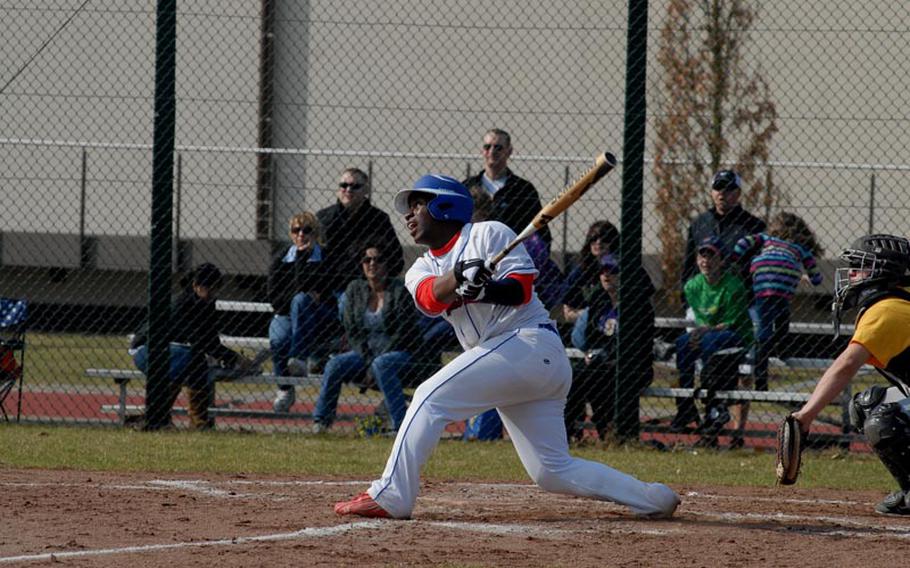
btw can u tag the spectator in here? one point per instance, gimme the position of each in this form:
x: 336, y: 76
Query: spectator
x: 351, y: 223
x: 726, y: 220
x: 515, y: 200
x: 382, y: 328
x: 595, y: 377
x: 550, y: 283
x: 299, y: 289
x: 193, y: 336
x: 720, y: 305
x: 601, y: 238
x: 785, y: 250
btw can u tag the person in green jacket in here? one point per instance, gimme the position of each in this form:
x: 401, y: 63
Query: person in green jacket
x: 720, y: 302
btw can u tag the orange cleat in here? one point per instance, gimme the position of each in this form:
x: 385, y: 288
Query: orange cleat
x: 362, y: 505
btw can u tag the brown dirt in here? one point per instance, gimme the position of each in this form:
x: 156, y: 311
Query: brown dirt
x: 143, y: 519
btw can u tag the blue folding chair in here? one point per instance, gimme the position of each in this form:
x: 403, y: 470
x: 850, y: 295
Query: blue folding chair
x: 13, y: 320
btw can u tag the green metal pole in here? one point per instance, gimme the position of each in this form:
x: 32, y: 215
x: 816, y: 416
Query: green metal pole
x: 633, y: 357
x: 157, y: 413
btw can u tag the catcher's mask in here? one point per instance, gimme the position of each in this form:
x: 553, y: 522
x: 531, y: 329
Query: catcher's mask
x: 874, y: 262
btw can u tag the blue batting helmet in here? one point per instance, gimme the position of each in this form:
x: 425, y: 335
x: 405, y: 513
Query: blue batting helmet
x: 453, y: 201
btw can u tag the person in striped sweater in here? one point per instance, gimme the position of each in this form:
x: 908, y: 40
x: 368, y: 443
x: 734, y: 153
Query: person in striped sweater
x: 778, y: 258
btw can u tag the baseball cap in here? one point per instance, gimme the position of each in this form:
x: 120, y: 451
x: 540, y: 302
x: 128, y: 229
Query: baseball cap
x: 713, y: 244
x: 726, y: 180
x: 609, y: 264
x: 208, y: 275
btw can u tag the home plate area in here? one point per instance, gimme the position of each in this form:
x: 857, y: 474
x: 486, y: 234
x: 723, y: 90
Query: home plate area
x: 143, y: 519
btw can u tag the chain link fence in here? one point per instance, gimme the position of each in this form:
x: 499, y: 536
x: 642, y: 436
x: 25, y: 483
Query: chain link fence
x: 277, y: 101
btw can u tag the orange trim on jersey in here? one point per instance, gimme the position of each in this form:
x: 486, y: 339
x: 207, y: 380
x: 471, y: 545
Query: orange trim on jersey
x: 426, y: 299
x: 872, y: 360
x: 526, y: 281
x: 448, y: 246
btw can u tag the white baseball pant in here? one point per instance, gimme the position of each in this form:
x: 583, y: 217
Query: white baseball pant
x: 526, y: 376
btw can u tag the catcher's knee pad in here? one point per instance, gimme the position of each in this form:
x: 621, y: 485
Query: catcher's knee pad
x: 887, y: 429
x: 888, y: 425
x: 862, y: 404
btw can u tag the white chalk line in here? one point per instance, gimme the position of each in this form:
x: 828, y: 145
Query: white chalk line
x: 307, y: 533
x: 205, y: 487
x: 776, y: 499
x: 319, y: 532
x: 901, y: 532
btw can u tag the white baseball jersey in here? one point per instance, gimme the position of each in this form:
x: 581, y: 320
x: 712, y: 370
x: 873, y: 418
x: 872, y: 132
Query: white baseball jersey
x: 476, y: 322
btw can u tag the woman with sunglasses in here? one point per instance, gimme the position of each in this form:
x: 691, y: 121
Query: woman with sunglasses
x: 299, y: 289
x: 601, y: 238
x: 381, y: 324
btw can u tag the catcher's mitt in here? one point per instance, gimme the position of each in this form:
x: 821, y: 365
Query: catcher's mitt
x: 790, y: 440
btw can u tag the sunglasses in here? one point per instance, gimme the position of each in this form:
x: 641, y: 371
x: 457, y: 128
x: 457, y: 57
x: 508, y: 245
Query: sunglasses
x: 497, y: 147
x: 305, y: 229
x: 369, y: 259
x: 351, y: 186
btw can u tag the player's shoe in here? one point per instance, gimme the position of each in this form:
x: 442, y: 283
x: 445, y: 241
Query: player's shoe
x: 363, y: 506
x: 897, y: 503
x: 668, y: 499
x: 284, y: 400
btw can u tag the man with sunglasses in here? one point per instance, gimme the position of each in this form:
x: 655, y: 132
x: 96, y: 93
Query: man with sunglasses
x: 726, y: 219
x: 351, y: 223
x: 515, y: 200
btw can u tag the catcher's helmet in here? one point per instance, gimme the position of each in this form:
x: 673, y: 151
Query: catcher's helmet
x: 452, y: 201
x: 726, y: 180
x: 874, y: 262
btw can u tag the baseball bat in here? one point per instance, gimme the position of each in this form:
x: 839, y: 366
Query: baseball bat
x: 603, y: 164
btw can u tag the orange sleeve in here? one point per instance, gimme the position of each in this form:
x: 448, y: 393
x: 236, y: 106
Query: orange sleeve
x: 427, y: 300
x: 526, y: 281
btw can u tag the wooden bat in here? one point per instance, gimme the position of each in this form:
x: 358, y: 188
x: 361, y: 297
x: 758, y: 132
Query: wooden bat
x: 603, y: 164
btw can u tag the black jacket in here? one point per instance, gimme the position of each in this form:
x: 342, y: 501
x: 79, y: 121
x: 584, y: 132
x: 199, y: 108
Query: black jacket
x: 286, y: 279
x: 730, y: 228
x: 194, y: 322
x: 515, y: 204
x: 347, y: 234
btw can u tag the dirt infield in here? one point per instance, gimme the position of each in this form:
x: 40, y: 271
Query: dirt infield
x: 101, y: 519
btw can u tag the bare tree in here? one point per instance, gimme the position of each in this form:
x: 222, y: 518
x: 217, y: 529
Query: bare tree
x: 713, y: 111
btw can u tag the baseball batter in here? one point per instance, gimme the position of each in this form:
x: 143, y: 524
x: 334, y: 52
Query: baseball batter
x: 514, y: 361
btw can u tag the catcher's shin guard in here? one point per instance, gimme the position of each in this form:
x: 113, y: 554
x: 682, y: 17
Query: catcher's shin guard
x: 887, y: 429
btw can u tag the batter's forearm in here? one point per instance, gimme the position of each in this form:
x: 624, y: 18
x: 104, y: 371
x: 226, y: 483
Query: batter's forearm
x: 444, y: 287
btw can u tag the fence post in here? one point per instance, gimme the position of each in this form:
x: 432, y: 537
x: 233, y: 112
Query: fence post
x: 634, y: 358
x: 157, y: 412
x: 872, y: 204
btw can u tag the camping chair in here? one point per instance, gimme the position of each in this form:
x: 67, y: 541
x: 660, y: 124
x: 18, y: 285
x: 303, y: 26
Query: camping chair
x: 13, y: 318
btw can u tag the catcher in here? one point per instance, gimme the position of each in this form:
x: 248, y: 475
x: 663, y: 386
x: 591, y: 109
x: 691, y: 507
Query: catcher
x: 873, y: 282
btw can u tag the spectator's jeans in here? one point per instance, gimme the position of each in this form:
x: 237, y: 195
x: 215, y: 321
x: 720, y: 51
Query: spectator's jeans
x: 771, y: 319
x: 201, y: 397
x: 710, y: 343
x: 386, y: 370
x: 300, y: 333
x: 180, y: 358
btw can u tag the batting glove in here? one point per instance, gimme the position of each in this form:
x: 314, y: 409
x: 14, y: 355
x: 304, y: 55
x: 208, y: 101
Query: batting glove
x: 472, y: 292
x: 473, y: 271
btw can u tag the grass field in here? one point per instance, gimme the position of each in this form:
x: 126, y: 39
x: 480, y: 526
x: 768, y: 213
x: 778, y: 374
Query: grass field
x: 103, y: 449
